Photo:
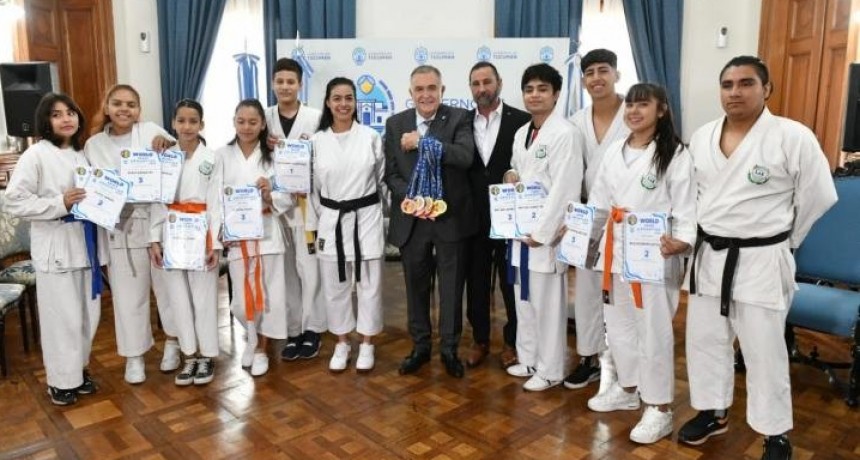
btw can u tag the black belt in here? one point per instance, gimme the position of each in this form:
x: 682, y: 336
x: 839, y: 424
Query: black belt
x: 734, y: 245
x: 344, y: 207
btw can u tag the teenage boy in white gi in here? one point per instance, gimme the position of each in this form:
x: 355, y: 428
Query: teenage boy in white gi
x: 762, y: 182
x: 548, y: 151
x: 600, y: 125
x: 290, y: 119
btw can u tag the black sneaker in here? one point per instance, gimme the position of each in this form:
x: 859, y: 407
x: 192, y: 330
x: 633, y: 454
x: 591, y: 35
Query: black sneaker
x: 88, y: 387
x: 776, y: 448
x: 291, y: 351
x: 185, y: 376
x: 703, y: 426
x: 310, y: 347
x: 205, y: 371
x: 586, y: 372
x: 63, y: 397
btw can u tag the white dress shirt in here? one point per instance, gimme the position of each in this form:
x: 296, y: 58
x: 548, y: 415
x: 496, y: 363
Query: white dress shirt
x: 487, y: 131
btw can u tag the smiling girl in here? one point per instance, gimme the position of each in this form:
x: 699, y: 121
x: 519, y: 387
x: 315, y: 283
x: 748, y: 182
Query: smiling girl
x: 650, y: 171
x: 42, y: 190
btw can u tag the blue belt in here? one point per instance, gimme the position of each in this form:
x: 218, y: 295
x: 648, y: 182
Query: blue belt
x: 91, y: 238
x: 524, y: 269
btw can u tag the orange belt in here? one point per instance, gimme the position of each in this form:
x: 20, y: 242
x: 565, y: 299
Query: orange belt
x: 616, y: 216
x: 253, y: 300
x: 193, y: 208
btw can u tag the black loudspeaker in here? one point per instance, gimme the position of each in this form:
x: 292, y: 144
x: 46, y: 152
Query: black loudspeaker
x: 851, y: 137
x: 24, y: 84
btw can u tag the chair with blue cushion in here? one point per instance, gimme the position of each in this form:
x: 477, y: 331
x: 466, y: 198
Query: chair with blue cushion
x: 828, y: 271
x: 10, y: 297
x: 17, y: 268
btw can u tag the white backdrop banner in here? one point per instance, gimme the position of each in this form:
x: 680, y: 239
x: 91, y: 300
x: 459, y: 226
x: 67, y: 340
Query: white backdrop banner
x: 380, y: 69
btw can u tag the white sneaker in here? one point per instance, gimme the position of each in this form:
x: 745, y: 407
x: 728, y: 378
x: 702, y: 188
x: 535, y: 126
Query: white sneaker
x: 613, y: 399
x: 520, y: 370
x: 538, y: 383
x: 170, y: 361
x: 608, y: 375
x: 365, y: 360
x: 653, y: 426
x: 135, y: 370
x: 340, y: 357
x: 260, y: 364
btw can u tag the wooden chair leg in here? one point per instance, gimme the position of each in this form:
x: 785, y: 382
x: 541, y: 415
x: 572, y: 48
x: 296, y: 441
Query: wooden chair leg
x: 23, y: 302
x: 854, y: 378
x: 34, y: 315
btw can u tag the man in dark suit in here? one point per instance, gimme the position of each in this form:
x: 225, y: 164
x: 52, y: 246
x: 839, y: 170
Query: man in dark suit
x: 494, y: 125
x: 421, y: 239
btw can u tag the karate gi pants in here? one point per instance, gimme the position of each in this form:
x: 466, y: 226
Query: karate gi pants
x: 68, y: 319
x: 272, y: 321
x: 588, y: 312
x: 710, y: 360
x: 541, y: 323
x: 162, y: 302
x: 641, y: 340
x: 338, y: 297
x: 131, y: 279
x: 305, y: 309
x: 194, y: 309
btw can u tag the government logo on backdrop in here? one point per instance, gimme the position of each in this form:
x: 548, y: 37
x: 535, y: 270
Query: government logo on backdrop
x: 375, y: 102
x: 421, y: 55
x: 359, y: 55
x: 546, y: 54
x: 484, y: 54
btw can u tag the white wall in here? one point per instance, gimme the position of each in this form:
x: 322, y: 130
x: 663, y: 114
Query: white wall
x: 420, y: 19
x: 701, y: 60
x: 133, y: 67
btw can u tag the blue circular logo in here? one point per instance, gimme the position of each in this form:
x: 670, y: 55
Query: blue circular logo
x: 374, y: 102
x: 484, y: 53
x: 421, y: 55
x: 546, y: 54
x: 359, y: 55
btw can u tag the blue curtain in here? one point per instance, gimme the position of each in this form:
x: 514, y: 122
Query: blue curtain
x: 655, y: 36
x: 186, y: 33
x: 544, y: 18
x: 310, y: 18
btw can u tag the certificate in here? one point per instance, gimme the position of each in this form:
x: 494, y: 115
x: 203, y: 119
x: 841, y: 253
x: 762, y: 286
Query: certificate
x: 580, y: 245
x: 530, y: 199
x: 171, y: 170
x: 293, y: 160
x: 143, y: 170
x: 106, y: 195
x: 503, y: 198
x: 642, y: 259
x: 243, y: 213
x: 184, y: 241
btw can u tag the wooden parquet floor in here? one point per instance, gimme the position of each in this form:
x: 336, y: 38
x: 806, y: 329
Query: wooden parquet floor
x: 299, y: 410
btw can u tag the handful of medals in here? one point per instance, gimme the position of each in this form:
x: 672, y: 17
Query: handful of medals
x: 424, y: 195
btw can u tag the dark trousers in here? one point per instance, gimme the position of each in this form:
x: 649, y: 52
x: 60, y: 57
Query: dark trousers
x: 417, y: 256
x: 487, y: 259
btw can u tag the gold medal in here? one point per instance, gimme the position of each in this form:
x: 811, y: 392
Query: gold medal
x: 439, y: 208
x: 419, y: 205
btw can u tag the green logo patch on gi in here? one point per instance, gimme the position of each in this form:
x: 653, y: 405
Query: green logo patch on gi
x: 540, y: 152
x: 206, y: 168
x: 758, y: 174
x: 649, y: 181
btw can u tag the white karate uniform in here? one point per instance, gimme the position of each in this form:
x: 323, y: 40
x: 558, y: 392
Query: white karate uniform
x: 68, y: 316
x: 349, y: 166
x: 641, y: 339
x: 554, y: 159
x: 587, y: 293
x: 131, y: 273
x: 795, y: 189
x: 233, y: 169
x: 305, y: 307
x: 194, y: 294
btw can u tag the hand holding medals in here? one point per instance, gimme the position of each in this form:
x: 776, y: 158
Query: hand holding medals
x: 424, y: 195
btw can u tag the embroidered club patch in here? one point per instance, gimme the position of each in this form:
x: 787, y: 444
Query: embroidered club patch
x: 541, y: 152
x: 649, y: 181
x: 206, y: 168
x: 758, y: 174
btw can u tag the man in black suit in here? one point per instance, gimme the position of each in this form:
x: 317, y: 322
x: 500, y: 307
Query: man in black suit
x: 419, y: 238
x: 494, y: 125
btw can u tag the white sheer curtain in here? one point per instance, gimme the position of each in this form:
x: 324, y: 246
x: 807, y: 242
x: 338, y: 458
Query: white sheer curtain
x: 604, y: 26
x: 241, y: 31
